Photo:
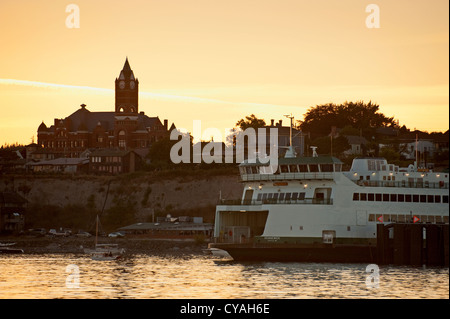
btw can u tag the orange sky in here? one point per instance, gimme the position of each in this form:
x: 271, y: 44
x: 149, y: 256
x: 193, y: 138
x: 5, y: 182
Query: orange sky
x: 234, y: 58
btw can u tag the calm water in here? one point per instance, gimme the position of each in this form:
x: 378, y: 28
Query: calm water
x: 141, y: 276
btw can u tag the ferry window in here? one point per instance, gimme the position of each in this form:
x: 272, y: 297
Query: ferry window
x: 355, y: 196
x: 259, y: 196
x: 301, y: 196
x: 438, y: 219
x: 294, y: 196
x: 384, y: 178
x: 281, y: 196
x: 249, y: 170
x: 338, y: 167
x: 269, y: 196
x: 423, y: 198
x: 385, y: 197
x: 415, y: 198
x: 363, y: 196
x: 393, y: 178
x: 293, y: 168
x: 401, y: 197
x: 371, y: 165
x: 378, y: 197
x: 393, y: 197
x: 371, y: 217
x: 284, y: 168
x: 430, y: 199
x: 437, y: 198
x: 368, y: 178
x: 303, y: 168
x: 401, y: 218
x: 326, y: 167
x: 383, y: 167
x: 408, y: 198
x: 288, y: 196
x: 371, y: 197
x: 264, y: 197
x: 445, y: 199
x: 313, y: 167
x: 275, y: 196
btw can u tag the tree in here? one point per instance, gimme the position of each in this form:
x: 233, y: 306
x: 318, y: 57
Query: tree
x: 359, y: 115
x: 250, y: 121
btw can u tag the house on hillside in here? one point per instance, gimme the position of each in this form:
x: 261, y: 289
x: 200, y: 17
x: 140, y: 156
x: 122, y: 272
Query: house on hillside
x: 357, y: 143
x: 12, y: 212
x: 114, y: 161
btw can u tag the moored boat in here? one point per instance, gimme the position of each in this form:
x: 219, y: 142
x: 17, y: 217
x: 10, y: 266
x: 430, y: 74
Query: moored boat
x: 5, y: 248
x: 105, y: 251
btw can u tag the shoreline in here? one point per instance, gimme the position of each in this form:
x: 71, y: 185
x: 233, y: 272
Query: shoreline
x: 75, y: 245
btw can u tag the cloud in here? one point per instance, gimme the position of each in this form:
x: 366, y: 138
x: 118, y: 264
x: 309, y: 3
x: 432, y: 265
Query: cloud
x: 151, y: 95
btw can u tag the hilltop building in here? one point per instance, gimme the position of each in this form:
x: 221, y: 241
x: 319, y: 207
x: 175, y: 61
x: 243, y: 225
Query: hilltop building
x: 125, y: 128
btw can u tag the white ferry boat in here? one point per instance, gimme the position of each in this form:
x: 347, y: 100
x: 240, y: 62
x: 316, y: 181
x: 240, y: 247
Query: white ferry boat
x: 312, y: 210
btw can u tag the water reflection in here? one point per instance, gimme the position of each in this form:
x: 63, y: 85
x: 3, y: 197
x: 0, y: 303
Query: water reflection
x: 191, y: 277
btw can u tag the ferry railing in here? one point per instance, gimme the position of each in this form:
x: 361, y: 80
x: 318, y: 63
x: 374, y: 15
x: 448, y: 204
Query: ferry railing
x: 310, y: 201
x: 287, y: 176
x: 403, y: 184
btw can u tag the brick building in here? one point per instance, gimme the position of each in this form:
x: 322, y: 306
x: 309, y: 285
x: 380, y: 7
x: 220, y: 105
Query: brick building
x: 124, y: 128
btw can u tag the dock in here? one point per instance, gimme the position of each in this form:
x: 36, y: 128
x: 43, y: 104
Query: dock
x: 413, y: 244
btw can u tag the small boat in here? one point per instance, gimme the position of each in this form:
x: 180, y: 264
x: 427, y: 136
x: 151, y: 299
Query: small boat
x: 104, y: 251
x: 5, y: 248
x: 217, y: 252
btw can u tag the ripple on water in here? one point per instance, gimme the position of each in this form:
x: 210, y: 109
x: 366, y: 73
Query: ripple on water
x: 142, y: 276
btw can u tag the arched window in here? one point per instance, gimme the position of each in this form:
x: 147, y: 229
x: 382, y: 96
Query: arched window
x: 122, y: 141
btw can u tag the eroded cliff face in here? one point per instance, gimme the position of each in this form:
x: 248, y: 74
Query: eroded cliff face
x: 145, y: 193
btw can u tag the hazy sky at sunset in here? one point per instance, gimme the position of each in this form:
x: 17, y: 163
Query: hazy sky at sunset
x: 218, y: 61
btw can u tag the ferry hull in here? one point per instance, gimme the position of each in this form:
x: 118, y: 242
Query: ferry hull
x: 301, y: 253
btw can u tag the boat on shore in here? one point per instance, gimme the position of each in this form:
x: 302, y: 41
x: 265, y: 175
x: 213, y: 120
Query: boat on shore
x: 310, y: 210
x: 6, y: 248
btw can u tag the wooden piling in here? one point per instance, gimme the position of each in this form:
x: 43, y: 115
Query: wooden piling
x: 415, y: 244
x: 408, y: 247
x: 401, y: 244
x: 445, y: 243
x: 383, y: 245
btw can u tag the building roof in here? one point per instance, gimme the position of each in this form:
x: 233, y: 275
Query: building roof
x: 61, y: 161
x: 111, y: 152
x: 168, y: 226
x: 354, y: 139
x: 299, y: 160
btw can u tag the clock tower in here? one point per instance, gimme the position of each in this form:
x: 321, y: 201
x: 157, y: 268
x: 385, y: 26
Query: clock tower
x: 127, y: 92
x: 126, y: 112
